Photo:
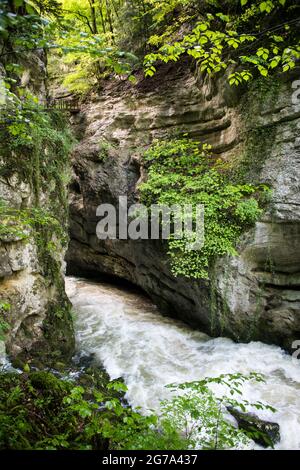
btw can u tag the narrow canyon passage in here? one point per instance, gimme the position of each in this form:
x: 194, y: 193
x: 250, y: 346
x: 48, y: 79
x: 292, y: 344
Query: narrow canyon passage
x: 129, y: 337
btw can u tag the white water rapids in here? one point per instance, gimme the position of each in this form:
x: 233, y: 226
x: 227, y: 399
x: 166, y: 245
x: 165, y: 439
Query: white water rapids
x: 131, y: 339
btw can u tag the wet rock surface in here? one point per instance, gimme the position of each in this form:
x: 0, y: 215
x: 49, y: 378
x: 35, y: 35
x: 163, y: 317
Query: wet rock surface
x: 246, y: 298
x: 264, y: 433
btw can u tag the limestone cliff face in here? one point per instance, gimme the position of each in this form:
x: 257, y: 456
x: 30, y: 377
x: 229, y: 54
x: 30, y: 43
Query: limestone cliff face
x: 255, y: 295
x: 37, y: 314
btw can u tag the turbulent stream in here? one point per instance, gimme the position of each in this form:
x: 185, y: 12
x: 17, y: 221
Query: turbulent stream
x: 131, y: 339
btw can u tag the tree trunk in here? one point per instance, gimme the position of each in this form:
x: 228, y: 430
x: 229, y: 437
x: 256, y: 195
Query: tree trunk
x: 93, y: 16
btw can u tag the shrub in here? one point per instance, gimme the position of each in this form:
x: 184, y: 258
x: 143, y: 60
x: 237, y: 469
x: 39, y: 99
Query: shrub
x: 183, y: 171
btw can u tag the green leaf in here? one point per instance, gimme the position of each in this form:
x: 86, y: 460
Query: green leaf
x: 263, y: 71
x: 202, y: 26
x: 18, y: 3
x: 223, y: 17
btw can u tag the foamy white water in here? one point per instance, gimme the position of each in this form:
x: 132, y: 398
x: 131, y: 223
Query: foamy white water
x: 131, y: 339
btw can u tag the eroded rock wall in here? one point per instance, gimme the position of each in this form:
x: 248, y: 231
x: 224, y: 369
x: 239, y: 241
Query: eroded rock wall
x: 252, y: 296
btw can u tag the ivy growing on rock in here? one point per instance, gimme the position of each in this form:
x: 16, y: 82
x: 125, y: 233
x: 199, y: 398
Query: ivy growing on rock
x: 4, y: 325
x: 183, y: 171
x: 248, y: 38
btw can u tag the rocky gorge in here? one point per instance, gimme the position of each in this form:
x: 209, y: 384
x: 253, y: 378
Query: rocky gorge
x: 252, y: 296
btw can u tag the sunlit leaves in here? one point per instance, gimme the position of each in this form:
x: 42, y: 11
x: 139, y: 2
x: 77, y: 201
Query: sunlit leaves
x: 216, y: 43
x: 266, y: 6
x: 263, y: 71
x: 275, y: 61
x: 237, y: 78
x: 225, y: 18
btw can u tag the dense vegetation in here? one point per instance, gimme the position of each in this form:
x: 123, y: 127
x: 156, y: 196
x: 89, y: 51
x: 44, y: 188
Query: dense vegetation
x: 183, y: 172
x: 84, y: 42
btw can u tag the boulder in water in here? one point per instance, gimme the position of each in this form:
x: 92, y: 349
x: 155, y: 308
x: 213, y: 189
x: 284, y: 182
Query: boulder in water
x: 264, y: 433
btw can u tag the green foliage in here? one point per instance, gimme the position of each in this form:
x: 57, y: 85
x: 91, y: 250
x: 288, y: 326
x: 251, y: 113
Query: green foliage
x: 86, y: 45
x: 42, y: 412
x: 146, y: 23
x: 79, y: 35
x: 4, y: 325
x: 36, y: 143
x: 93, y: 39
x: 200, y: 412
x: 88, y: 58
x: 182, y: 172
x: 244, y: 37
x: 25, y: 26
x: 33, y: 414
x: 13, y: 225
x: 104, y: 149
x: 17, y: 224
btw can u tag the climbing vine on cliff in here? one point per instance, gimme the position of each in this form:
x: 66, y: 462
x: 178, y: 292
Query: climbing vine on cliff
x: 35, y: 153
x: 183, y: 171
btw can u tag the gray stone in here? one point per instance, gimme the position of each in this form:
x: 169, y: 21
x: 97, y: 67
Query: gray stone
x: 239, y: 300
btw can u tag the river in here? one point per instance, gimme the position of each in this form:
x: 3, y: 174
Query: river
x: 126, y: 333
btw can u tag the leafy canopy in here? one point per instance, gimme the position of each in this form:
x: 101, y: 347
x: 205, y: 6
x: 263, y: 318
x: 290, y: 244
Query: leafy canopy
x: 182, y: 171
x: 90, y: 39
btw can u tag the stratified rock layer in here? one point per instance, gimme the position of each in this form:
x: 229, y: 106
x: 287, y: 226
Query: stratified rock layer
x: 255, y: 295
